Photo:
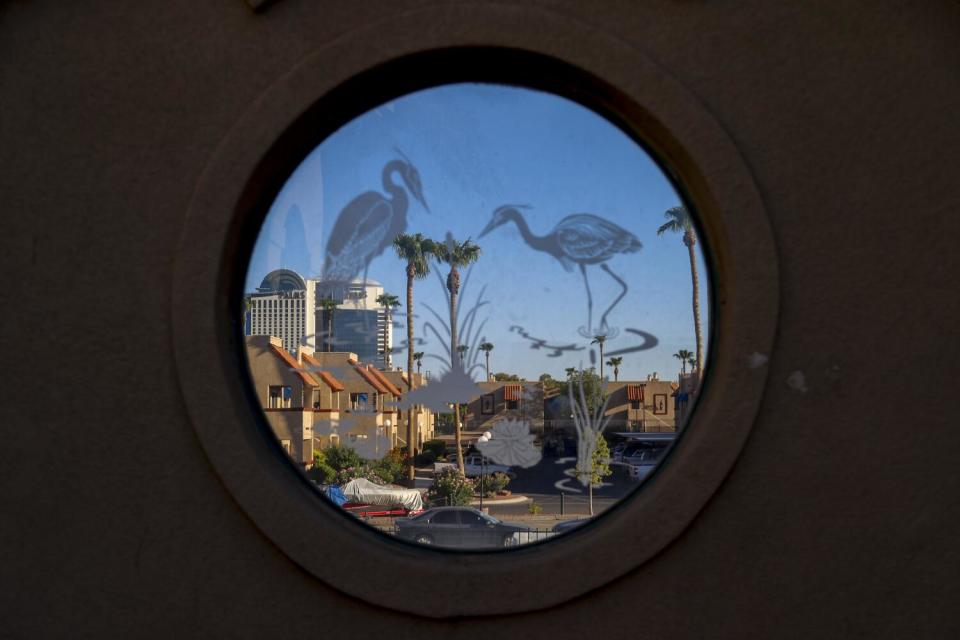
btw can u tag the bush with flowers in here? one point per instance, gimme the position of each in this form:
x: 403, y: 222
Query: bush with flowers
x: 449, y: 488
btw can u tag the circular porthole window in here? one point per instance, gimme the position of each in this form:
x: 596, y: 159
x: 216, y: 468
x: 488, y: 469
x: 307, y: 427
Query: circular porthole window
x: 569, y: 382
x: 477, y: 316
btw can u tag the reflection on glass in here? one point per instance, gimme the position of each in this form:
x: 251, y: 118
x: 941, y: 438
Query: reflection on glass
x: 495, y: 369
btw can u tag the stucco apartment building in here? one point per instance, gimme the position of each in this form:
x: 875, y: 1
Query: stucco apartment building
x: 506, y: 401
x: 290, y: 395
x: 316, y: 400
x: 647, y: 406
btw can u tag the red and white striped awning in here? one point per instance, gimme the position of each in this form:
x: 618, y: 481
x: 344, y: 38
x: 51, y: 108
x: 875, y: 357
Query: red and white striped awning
x: 635, y: 392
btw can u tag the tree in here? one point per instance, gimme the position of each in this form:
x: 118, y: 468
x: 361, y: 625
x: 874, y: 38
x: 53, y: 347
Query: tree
x: 389, y: 302
x: 679, y: 221
x: 456, y: 255
x: 416, y: 251
x: 506, y: 377
x: 418, y: 358
x: 462, y: 351
x: 684, y: 356
x: 615, y: 363
x: 599, y: 340
x: 487, y: 347
x: 592, y: 387
x: 599, y: 466
x: 329, y: 308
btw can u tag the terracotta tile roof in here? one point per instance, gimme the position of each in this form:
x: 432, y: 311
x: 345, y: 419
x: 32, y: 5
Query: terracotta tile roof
x: 392, y: 388
x: 366, y: 375
x: 512, y: 392
x: 293, y: 364
x: 635, y: 392
x: 327, y: 378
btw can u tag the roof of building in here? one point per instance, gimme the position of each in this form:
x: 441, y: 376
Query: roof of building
x: 392, y: 388
x: 366, y: 375
x: 293, y: 364
x: 327, y: 378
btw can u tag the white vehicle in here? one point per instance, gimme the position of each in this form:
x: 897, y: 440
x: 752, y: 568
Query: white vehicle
x: 643, y: 461
x: 472, y: 466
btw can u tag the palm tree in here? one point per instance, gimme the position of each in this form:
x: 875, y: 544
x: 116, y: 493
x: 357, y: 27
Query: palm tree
x: 570, y: 371
x: 418, y: 357
x: 329, y: 307
x: 615, y: 363
x: 679, y: 221
x: 684, y: 356
x: 389, y: 302
x: 692, y: 362
x: 599, y: 340
x: 415, y: 250
x: 456, y: 255
x: 487, y: 347
x: 462, y: 351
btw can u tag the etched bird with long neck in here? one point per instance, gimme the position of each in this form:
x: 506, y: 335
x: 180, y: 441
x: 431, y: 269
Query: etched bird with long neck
x: 579, y: 239
x: 368, y: 224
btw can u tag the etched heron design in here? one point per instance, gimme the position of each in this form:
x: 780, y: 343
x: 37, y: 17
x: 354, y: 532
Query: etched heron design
x: 582, y: 239
x: 368, y: 224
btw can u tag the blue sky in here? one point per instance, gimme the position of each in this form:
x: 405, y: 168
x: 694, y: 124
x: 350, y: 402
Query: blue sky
x: 480, y: 146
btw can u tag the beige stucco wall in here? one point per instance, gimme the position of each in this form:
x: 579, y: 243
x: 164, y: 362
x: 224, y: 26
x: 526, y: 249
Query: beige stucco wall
x: 623, y: 417
x: 530, y: 408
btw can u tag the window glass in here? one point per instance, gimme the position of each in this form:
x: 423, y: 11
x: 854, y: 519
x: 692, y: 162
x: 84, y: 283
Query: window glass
x: 478, y: 269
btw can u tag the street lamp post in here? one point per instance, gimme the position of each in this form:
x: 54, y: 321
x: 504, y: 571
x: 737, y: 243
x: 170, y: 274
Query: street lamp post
x: 387, y: 424
x: 483, y: 465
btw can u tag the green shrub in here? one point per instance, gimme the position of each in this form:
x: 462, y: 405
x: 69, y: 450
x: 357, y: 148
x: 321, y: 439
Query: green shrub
x: 390, y: 466
x: 449, y: 488
x: 322, y: 473
x: 425, y: 459
x: 340, y: 457
x: 437, y: 447
x: 491, y: 483
x: 534, y: 508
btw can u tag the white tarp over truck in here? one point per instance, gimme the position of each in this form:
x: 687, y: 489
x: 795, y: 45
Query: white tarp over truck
x: 363, y: 491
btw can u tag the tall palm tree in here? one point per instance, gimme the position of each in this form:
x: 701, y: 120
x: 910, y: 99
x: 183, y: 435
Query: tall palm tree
x: 615, y: 363
x: 570, y: 371
x: 462, y: 351
x: 416, y: 251
x: 679, y: 221
x: 418, y: 357
x: 456, y: 255
x: 389, y: 302
x: 599, y: 340
x: 329, y: 308
x: 684, y: 356
x: 487, y: 347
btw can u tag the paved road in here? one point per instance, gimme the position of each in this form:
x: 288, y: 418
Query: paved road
x: 552, y: 477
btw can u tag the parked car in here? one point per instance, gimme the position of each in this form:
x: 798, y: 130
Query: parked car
x: 464, y: 527
x: 643, y: 461
x: 472, y: 466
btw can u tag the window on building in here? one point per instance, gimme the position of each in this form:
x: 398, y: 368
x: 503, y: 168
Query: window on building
x: 280, y: 397
x: 598, y: 251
